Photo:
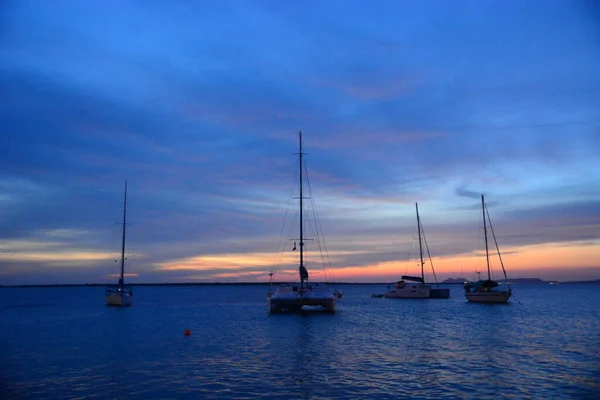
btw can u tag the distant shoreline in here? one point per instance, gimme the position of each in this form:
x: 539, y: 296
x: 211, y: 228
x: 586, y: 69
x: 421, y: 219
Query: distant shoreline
x: 528, y: 281
x: 534, y: 281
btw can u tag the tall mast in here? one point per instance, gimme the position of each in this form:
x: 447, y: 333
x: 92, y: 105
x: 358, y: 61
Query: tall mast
x: 487, y: 255
x: 121, y: 283
x: 301, y: 220
x: 420, y: 246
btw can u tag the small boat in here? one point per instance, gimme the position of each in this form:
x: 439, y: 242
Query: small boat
x: 415, y: 287
x: 296, y: 297
x: 488, y: 290
x: 120, y: 295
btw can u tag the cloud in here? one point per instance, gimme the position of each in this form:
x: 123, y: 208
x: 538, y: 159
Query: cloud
x: 464, y: 192
x: 198, y: 106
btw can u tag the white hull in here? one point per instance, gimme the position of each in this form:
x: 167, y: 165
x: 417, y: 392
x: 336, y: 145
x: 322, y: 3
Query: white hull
x: 409, y: 292
x: 276, y: 305
x: 488, y: 297
x: 118, y: 299
x: 290, y: 298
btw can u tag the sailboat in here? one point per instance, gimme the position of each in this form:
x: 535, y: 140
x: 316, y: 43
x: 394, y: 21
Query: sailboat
x: 120, y: 295
x: 295, y: 297
x: 416, y: 287
x: 487, y: 291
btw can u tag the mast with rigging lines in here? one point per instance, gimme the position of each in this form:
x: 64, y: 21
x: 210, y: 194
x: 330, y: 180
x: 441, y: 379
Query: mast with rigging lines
x: 121, y: 295
x: 121, y: 279
x: 295, y: 297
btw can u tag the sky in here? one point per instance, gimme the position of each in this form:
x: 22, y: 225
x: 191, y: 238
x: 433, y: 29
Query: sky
x: 198, y: 105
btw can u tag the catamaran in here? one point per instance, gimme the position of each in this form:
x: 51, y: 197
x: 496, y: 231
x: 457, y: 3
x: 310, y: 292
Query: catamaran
x: 488, y: 290
x: 120, y: 295
x: 295, y: 297
x: 416, y: 287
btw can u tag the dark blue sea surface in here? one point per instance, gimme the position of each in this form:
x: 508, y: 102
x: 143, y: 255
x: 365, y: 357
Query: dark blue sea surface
x: 65, y: 343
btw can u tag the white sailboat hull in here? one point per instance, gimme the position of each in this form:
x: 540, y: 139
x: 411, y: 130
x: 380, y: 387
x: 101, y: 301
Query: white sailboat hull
x: 119, y: 298
x: 488, y: 297
x: 409, y: 292
x: 276, y: 305
x: 292, y: 299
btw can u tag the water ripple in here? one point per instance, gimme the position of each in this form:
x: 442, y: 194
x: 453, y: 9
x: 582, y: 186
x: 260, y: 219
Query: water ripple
x: 54, y: 347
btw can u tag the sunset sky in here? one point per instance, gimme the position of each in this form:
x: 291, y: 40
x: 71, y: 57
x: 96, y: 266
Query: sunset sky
x: 198, y: 104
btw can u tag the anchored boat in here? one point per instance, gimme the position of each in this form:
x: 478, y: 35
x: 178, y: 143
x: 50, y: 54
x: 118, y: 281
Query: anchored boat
x: 295, y: 297
x: 488, y: 290
x: 415, y: 287
x: 120, y: 295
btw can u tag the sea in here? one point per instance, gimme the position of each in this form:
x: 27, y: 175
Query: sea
x: 64, y: 343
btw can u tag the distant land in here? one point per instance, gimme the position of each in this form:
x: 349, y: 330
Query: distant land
x: 449, y: 281
x: 529, y: 281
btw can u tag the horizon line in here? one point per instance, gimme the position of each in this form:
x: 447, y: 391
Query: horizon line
x: 513, y: 280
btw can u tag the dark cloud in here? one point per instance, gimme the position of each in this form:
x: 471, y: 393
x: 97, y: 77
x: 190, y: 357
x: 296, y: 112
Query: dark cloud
x: 464, y: 192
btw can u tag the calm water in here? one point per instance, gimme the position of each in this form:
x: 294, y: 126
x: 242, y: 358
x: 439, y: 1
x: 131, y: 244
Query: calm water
x: 64, y: 343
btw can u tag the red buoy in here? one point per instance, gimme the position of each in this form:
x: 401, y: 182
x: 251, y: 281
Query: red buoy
x: 187, y: 332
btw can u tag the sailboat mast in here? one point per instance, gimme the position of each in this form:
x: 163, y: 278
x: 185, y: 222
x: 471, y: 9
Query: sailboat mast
x: 420, y: 242
x: 301, y: 220
x: 487, y: 255
x: 121, y: 283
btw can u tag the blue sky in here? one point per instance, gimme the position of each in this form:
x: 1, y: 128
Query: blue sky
x: 198, y: 105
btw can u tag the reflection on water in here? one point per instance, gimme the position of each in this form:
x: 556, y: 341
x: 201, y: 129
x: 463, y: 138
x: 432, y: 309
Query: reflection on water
x: 305, y: 356
x: 64, y: 343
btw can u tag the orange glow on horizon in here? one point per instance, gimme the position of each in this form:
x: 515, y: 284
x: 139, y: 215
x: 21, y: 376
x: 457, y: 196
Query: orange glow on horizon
x: 543, y: 257
x: 63, y: 255
x: 239, y: 261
